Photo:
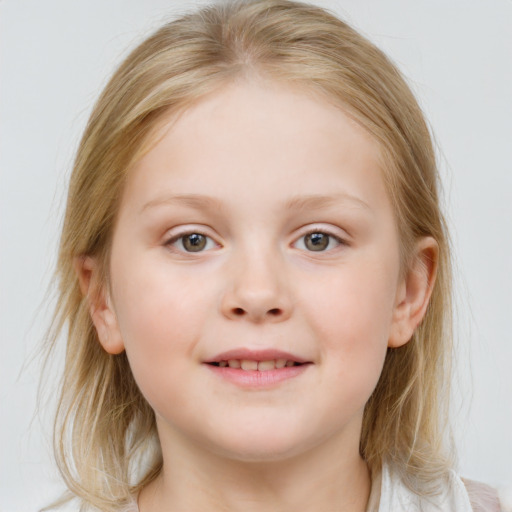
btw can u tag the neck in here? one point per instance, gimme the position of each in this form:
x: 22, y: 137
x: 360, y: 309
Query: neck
x: 328, y: 477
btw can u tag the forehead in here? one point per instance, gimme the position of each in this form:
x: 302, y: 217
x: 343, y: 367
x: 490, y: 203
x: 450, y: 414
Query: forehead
x: 247, y: 138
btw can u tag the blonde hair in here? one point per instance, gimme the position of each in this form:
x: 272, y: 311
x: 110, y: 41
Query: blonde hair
x: 104, y: 427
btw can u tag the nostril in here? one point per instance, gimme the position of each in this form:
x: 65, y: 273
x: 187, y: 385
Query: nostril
x: 238, y: 312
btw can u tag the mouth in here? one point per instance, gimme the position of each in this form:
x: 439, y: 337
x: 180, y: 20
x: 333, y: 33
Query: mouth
x: 257, y: 369
x: 253, y: 365
x: 261, y: 359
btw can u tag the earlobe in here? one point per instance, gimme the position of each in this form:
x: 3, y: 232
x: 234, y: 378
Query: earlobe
x: 413, y: 294
x: 100, y: 307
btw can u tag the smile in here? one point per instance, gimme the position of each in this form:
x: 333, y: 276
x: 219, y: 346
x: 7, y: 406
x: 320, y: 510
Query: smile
x: 250, y: 364
x: 257, y: 369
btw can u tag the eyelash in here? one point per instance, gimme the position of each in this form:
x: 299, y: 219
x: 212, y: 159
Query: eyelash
x: 182, y: 236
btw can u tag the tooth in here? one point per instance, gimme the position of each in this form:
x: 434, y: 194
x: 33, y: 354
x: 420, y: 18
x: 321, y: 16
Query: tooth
x: 264, y: 366
x: 247, y: 364
x: 280, y: 363
x: 223, y: 364
x: 234, y: 363
x: 290, y: 363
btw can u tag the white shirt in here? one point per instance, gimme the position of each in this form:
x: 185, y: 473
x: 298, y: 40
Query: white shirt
x: 393, y: 496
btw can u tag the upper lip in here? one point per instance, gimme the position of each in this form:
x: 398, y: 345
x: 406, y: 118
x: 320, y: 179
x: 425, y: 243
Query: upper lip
x: 256, y: 355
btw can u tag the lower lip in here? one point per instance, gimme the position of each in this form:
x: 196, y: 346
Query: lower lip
x: 258, y: 379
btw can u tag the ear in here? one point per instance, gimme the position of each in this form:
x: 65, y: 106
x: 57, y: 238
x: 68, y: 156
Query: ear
x: 414, y: 291
x: 100, y: 306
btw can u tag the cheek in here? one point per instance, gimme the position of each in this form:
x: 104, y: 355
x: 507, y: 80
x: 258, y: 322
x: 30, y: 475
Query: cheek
x: 356, y: 301
x: 153, y: 304
x: 160, y: 318
x: 352, y: 319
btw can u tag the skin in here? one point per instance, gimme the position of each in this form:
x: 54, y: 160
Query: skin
x: 252, y: 149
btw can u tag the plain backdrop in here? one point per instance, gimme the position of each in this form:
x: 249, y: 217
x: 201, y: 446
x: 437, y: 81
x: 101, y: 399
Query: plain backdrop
x: 55, y: 57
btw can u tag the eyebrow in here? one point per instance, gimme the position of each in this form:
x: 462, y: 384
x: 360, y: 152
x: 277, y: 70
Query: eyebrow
x: 316, y: 202
x: 197, y: 201
x: 301, y: 203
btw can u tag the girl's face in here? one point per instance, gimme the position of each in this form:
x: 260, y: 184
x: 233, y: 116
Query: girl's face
x: 257, y: 233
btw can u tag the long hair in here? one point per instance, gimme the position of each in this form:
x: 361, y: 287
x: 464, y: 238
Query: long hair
x: 105, y: 435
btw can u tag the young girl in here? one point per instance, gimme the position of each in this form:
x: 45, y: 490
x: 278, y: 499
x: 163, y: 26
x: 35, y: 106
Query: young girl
x: 255, y: 279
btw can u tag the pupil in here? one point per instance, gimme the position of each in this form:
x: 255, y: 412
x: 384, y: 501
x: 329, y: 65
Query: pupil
x: 194, y: 242
x: 317, y: 241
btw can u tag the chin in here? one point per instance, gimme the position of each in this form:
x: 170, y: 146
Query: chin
x: 261, y: 445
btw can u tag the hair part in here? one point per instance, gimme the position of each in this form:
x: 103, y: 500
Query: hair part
x: 104, y: 426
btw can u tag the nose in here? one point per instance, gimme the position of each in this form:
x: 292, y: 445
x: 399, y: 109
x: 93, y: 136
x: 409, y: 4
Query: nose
x: 257, y: 291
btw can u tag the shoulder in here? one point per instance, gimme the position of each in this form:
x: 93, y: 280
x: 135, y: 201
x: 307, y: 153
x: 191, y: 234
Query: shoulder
x: 454, y: 494
x: 483, y: 498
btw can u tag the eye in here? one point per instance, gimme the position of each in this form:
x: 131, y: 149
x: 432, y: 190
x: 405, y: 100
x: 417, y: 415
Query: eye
x: 191, y: 242
x: 318, y: 241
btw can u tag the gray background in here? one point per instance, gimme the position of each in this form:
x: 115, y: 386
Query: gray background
x: 55, y: 55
